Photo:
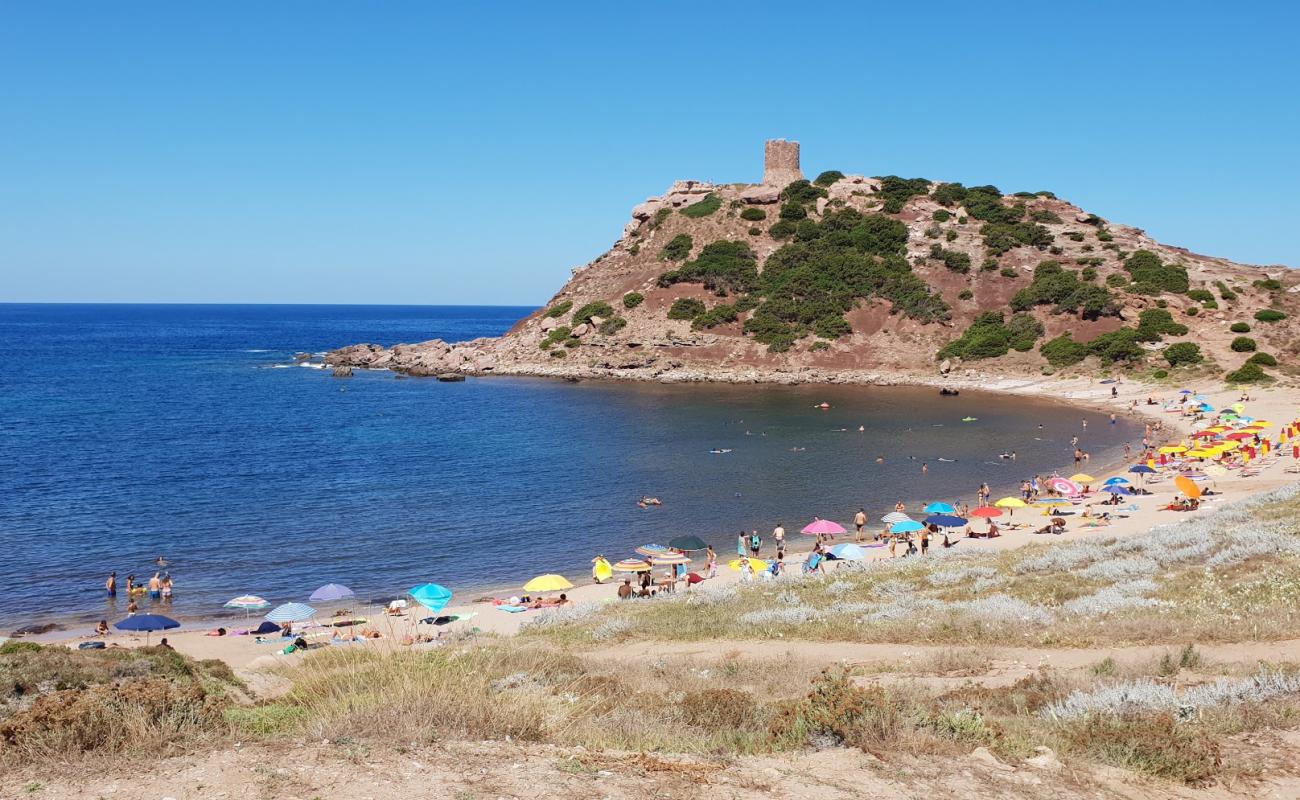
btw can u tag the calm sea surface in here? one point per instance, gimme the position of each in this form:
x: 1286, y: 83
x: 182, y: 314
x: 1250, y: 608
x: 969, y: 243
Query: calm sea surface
x: 128, y: 432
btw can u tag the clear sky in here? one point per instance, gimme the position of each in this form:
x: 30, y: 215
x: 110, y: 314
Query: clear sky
x: 475, y: 152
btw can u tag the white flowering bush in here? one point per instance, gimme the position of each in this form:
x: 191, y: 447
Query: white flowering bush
x: 787, y: 615
x: 1147, y: 695
x: 565, y: 615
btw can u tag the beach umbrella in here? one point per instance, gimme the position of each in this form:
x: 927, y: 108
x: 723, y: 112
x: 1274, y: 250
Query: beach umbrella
x: 1173, y: 449
x: 1205, y: 434
x: 1117, y: 489
x: 1052, y: 501
x: 549, y: 583
x: 670, y: 559
x: 738, y: 564
x: 1184, y: 391
x: 248, y: 602
x: 1065, y: 486
x: 906, y: 526
x: 894, y: 516
x: 431, y: 596
x: 986, y: 511
x: 945, y: 521
x: 1238, y: 407
x: 291, y: 612
x: 1011, y: 502
x: 822, y: 527
x: 1081, y: 477
x: 1140, y: 469
x: 688, y: 543
x: 1187, y: 486
x: 330, y: 592
x: 147, y: 623
x: 940, y: 508
x: 1215, y: 470
x: 1199, y: 453
x: 632, y: 565
x: 651, y: 549
x: 1117, y: 479
x: 847, y: 552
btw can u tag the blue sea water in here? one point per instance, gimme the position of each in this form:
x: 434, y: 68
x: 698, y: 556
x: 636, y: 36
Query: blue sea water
x: 133, y: 431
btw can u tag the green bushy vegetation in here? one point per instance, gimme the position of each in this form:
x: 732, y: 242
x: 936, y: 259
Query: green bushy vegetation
x: 965, y: 294
x: 633, y: 299
x: 793, y: 212
x: 598, y: 308
x: 1152, y: 276
x: 1044, y: 216
x: 1155, y: 323
x: 1243, y: 344
x: 999, y: 237
x: 1227, y: 294
x: 991, y: 336
x: 1268, y: 284
x: 984, y: 203
x: 1248, y: 373
x: 1183, y: 353
x: 723, y: 266
x: 677, y: 249
x: 753, y: 214
x: 1269, y: 315
x: 1200, y: 295
x: 718, y: 315
x: 802, y: 192
x: 559, y: 309
x: 1088, y: 274
x: 555, y: 336
x: 782, y: 230
x: 949, y: 194
x: 828, y: 177
x: 1063, y: 351
x: 952, y: 259
x: 941, y: 215
x: 1116, y: 346
x: 1263, y: 359
x: 1239, y: 327
x: 612, y: 326
x: 897, y: 191
x: 704, y: 208
x: 1008, y: 272
x: 1055, y: 285
x: 686, y: 308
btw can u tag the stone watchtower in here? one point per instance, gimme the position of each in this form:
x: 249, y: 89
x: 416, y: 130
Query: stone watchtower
x: 781, y: 163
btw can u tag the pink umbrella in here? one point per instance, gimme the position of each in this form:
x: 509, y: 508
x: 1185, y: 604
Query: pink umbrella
x: 1065, y: 486
x: 822, y: 527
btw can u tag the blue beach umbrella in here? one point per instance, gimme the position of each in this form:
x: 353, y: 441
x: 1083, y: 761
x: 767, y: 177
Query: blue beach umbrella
x: 945, y: 521
x: 331, y: 591
x: 847, y: 552
x: 1117, y: 489
x: 1140, y: 469
x: 432, y: 596
x: 291, y: 612
x: 147, y: 623
x: 940, y: 508
x: 906, y: 526
x: 1116, y: 481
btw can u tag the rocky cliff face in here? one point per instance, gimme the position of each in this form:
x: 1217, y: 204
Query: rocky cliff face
x: 947, y: 245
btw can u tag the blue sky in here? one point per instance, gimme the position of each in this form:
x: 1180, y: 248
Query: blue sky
x: 423, y: 152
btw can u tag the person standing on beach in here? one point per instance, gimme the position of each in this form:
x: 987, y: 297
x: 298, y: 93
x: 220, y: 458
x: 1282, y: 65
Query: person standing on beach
x: 925, y: 540
x: 778, y: 535
x: 711, y: 564
x: 755, y: 543
x: 860, y: 522
x: 110, y: 585
x: 740, y: 545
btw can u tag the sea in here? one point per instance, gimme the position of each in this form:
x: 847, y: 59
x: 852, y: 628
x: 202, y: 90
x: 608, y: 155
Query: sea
x: 130, y: 432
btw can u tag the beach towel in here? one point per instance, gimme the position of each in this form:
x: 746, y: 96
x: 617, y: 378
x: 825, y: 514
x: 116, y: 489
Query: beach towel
x: 513, y: 609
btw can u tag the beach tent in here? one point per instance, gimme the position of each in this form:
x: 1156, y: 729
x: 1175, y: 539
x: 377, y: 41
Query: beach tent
x: 549, y: 583
x: 147, y: 623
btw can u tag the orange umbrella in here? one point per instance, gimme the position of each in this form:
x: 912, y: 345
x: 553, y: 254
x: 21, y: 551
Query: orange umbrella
x: 1187, y: 486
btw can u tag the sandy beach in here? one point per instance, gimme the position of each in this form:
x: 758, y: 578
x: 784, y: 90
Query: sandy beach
x: 1277, y: 405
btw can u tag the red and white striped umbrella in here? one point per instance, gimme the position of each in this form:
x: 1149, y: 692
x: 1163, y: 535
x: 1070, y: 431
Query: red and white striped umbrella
x: 1065, y: 486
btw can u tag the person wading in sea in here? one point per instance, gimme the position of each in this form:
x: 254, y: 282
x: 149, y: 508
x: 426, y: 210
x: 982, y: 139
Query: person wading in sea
x: 860, y: 522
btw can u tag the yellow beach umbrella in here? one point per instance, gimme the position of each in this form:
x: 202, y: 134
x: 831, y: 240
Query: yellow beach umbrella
x: 1173, y: 448
x: 1232, y: 445
x: 548, y: 583
x: 1080, y: 477
x: 1011, y: 502
x: 738, y: 564
x: 1198, y: 453
x: 1261, y: 423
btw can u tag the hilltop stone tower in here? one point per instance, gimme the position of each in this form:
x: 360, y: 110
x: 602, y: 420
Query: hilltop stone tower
x: 781, y: 163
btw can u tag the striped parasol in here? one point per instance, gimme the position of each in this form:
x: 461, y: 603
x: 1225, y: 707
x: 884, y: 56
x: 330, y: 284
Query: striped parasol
x: 291, y: 612
x: 651, y: 549
x: 894, y: 516
x: 670, y: 559
x: 631, y: 565
x: 248, y: 602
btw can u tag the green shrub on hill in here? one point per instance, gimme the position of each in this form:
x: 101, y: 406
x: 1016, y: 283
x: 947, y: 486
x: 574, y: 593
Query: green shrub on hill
x: 718, y: 315
x: 1268, y: 284
x: 1088, y: 274
x: 802, y: 192
x: 999, y: 237
x: 612, y: 326
x: 1201, y: 295
x: 555, y: 336
x: 1044, y: 216
x: 705, y: 207
x: 793, y: 211
x: 952, y: 259
x: 949, y: 194
x: 1248, y: 373
x: 1243, y: 344
x: 1063, y: 351
x: 1183, y: 353
x: 941, y: 215
x: 1154, y: 323
x: 599, y: 308
x: 1239, y: 327
x: 984, y: 203
x: 559, y: 309
x: 1269, y: 315
x: 677, y: 249
x: 1116, y: 346
x: 753, y: 214
x: 686, y: 308
x: 828, y: 177
x: 1008, y: 272
x: 1151, y: 276
x: 722, y: 266
x: 1025, y: 331
x: 1053, y: 284
x: 782, y: 230
x: 632, y: 300
x: 1116, y: 281
x: 965, y: 294
x: 897, y: 191
x: 1263, y: 359
x: 1227, y: 294
x: 989, y: 336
